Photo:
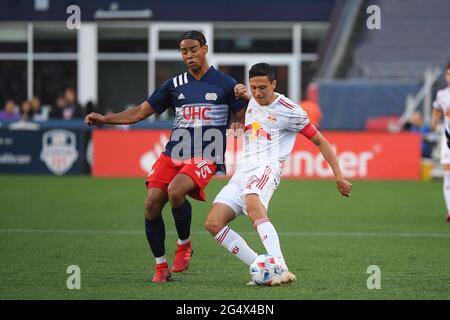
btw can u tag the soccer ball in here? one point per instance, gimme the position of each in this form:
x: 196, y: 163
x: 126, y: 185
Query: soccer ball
x: 264, y: 269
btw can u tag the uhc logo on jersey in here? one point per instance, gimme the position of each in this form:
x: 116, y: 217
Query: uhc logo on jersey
x: 202, y: 114
x: 196, y: 113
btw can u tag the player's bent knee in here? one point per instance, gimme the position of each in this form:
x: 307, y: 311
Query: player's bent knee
x: 152, y: 211
x: 176, y: 196
x: 150, y: 216
x: 209, y: 226
x: 214, y: 225
x: 251, y: 210
x: 153, y: 207
x: 255, y: 209
x: 255, y: 213
x: 218, y: 217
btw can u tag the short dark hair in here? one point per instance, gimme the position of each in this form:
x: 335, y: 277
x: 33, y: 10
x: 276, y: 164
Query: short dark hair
x: 194, y: 35
x: 448, y: 65
x: 261, y: 70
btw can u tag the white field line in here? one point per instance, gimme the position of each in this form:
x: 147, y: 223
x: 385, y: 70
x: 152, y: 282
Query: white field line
x: 283, y: 234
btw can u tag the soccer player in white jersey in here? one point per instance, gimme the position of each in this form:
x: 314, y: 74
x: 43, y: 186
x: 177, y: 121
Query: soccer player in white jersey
x: 442, y: 106
x: 272, y: 122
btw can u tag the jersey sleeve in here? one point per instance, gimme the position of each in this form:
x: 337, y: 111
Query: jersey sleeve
x: 437, y: 104
x: 298, y: 121
x: 161, y: 98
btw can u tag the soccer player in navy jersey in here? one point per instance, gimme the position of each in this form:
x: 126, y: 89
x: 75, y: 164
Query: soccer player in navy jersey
x: 203, y: 99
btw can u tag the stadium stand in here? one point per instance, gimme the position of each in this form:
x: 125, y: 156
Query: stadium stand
x: 374, y: 64
x: 424, y: 30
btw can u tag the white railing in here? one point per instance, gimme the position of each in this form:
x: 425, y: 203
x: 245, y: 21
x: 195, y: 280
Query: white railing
x: 424, y: 94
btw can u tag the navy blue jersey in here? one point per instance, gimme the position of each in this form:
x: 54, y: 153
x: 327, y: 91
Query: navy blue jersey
x: 202, y: 114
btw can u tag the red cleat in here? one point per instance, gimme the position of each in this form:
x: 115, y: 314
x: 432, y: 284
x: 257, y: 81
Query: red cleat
x: 162, y: 273
x: 448, y: 218
x: 182, y: 257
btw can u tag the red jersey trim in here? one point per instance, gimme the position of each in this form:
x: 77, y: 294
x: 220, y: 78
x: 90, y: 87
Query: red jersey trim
x: 309, y: 131
x: 286, y: 104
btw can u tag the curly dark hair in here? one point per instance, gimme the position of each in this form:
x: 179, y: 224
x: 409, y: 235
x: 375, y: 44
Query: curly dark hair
x: 194, y: 35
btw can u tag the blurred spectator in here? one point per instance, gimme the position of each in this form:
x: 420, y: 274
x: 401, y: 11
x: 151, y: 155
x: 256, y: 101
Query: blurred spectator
x: 36, y: 105
x: 26, y: 117
x: 57, y: 110
x: 10, y: 112
x: 26, y: 111
x: 66, y: 106
x: 415, y: 124
x: 311, y: 105
x: 40, y: 113
x: 89, y: 107
x: 72, y: 108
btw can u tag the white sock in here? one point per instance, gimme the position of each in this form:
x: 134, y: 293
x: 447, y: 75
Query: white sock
x: 447, y: 189
x: 161, y: 260
x: 181, y: 242
x: 269, y: 238
x: 236, y: 245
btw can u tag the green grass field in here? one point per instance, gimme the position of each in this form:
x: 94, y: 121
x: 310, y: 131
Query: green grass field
x: 49, y: 223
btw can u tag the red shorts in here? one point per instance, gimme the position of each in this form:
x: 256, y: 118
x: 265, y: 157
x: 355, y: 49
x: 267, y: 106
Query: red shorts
x: 165, y: 169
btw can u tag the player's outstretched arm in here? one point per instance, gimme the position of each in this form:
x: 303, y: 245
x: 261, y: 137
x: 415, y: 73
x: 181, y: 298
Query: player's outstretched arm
x: 343, y: 185
x: 129, y: 116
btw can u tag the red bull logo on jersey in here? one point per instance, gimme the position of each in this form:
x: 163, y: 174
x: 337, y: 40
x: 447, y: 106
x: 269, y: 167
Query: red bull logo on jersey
x: 256, y: 130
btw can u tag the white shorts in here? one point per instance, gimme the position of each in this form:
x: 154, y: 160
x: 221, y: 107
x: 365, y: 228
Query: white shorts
x: 261, y: 180
x: 445, y: 151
